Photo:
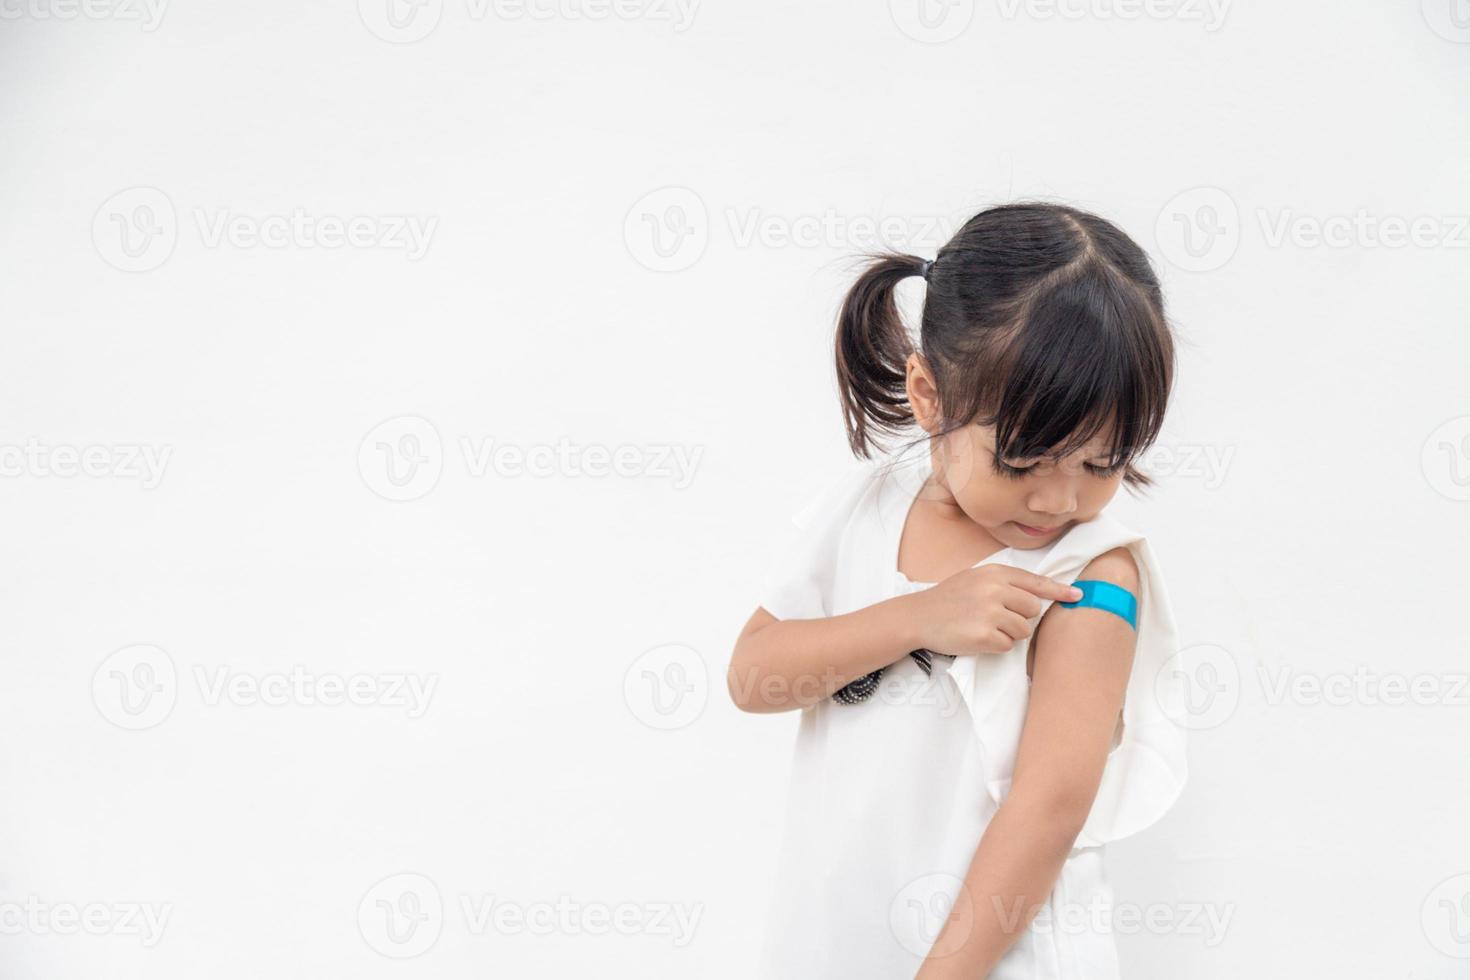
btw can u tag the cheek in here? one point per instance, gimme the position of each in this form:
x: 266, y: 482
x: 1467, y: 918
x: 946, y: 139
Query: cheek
x: 959, y: 460
x: 1095, y: 494
x: 991, y: 498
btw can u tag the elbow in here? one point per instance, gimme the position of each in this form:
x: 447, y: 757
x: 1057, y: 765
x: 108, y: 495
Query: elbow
x: 746, y: 681
x: 753, y: 695
x: 755, y: 690
x: 737, y: 690
x: 742, y: 680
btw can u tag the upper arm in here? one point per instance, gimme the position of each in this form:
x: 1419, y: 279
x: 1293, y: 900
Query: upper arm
x: 1083, y: 657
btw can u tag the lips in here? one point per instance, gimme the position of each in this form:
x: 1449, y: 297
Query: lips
x: 1038, y: 532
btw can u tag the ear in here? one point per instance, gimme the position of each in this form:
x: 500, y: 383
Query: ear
x: 923, y: 395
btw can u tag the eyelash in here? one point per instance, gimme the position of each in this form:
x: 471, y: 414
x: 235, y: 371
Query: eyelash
x: 1018, y: 472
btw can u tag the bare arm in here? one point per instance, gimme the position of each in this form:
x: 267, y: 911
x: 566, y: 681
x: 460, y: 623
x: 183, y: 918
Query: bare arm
x: 1083, y: 659
x: 783, y: 664
x: 780, y: 664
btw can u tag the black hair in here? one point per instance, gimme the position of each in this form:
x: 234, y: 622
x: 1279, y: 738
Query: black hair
x: 1042, y: 320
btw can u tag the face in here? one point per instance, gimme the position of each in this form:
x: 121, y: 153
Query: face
x: 1022, y: 503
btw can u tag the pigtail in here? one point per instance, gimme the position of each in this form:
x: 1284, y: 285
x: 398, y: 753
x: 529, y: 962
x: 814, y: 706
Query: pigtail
x: 872, y: 350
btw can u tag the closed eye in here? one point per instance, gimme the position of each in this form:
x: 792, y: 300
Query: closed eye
x: 1019, y: 472
x: 1013, y: 472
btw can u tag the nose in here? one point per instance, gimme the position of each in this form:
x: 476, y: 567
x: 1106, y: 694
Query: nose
x: 1056, y: 499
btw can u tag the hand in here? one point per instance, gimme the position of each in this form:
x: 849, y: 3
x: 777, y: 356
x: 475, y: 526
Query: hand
x: 984, y: 610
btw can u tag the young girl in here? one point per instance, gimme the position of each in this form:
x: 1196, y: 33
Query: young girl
x: 974, y: 728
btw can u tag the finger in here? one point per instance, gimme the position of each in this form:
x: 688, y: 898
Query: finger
x: 1000, y: 642
x: 1013, y: 625
x: 1045, y: 587
x: 1021, y: 602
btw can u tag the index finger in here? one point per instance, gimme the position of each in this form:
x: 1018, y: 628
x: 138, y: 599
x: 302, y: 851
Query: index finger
x: 1040, y: 585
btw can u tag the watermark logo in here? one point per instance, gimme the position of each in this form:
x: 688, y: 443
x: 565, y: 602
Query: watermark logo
x: 667, y: 230
x: 932, y: 21
x: 401, y: 459
x: 1199, y: 229
x: 400, y: 21
x: 135, y: 230
x: 404, y: 915
x: 401, y: 916
x: 922, y: 909
x: 1199, y: 687
x: 1445, y: 459
x: 667, y: 687
x: 899, y: 684
x: 136, y: 687
x: 1450, y: 19
x: 933, y: 916
x: 1445, y: 917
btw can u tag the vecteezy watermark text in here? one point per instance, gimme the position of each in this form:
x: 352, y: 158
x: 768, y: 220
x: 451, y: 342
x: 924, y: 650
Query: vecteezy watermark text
x: 403, y: 915
x: 147, y: 13
x: 137, y: 687
x: 120, y: 461
x: 675, y: 463
x: 137, y: 230
x: 298, y: 686
x: 1199, y: 230
x: 403, y: 458
x: 1363, y: 686
x: 1210, y: 13
x: 668, y: 229
x: 408, y: 21
x: 36, y: 917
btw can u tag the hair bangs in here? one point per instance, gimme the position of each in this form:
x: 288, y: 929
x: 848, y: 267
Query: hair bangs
x: 1079, y: 368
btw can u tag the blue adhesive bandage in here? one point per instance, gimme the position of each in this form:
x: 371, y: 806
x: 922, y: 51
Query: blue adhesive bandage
x: 1106, y: 595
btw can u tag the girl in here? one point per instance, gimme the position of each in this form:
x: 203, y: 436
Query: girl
x: 974, y: 727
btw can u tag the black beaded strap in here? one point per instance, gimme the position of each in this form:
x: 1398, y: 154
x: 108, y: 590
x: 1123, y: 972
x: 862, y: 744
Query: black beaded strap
x: 862, y: 688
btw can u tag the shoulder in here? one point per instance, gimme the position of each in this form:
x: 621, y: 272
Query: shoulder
x: 1117, y: 565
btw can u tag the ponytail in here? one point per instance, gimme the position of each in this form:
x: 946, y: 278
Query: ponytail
x: 872, y: 353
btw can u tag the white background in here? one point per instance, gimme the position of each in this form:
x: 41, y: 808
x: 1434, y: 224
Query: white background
x: 1312, y: 521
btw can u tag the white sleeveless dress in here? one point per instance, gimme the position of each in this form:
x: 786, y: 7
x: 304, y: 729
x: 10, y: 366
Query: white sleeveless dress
x: 888, y: 798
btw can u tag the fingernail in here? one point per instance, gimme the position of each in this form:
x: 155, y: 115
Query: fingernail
x: 1075, y: 592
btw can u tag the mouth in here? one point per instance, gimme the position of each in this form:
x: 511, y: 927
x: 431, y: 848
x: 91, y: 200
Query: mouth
x: 1038, y: 532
